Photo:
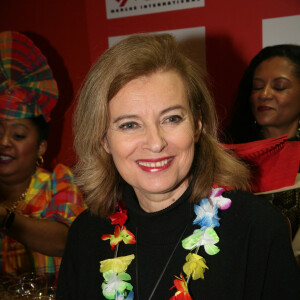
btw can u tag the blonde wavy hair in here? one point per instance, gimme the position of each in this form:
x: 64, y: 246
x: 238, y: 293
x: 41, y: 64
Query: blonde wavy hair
x: 135, y: 56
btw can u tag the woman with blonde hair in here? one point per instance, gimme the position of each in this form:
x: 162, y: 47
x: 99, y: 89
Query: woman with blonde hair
x: 162, y: 192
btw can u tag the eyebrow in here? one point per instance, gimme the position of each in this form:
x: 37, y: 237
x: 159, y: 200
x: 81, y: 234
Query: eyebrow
x: 277, y: 78
x: 15, y: 125
x: 162, y: 112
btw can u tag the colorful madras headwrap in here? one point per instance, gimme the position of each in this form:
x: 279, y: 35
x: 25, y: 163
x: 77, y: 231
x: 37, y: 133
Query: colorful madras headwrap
x: 27, y: 86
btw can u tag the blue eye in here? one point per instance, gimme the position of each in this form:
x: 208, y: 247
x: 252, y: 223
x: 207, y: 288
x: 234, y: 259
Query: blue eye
x: 174, y: 119
x: 128, y: 125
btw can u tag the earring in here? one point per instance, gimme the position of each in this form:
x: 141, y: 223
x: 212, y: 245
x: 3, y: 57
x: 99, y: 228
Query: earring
x: 253, y: 125
x: 40, y: 161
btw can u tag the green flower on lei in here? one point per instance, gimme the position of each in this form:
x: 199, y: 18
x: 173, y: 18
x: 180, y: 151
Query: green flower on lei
x: 115, y: 283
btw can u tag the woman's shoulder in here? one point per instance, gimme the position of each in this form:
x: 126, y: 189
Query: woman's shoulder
x: 86, y: 232
x: 242, y: 201
x: 87, y: 220
x: 251, y: 209
x: 60, y: 172
x: 253, y: 217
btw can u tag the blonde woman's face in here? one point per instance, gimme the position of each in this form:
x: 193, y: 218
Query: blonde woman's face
x: 151, y: 137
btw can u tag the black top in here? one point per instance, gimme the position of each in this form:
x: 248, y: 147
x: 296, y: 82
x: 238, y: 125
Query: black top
x: 288, y: 202
x: 255, y: 259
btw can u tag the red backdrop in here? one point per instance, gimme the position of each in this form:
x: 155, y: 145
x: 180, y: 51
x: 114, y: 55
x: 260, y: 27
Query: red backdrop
x: 73, y: 34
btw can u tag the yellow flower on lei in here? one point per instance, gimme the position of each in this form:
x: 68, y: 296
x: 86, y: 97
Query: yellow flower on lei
x: 117, y: 264
x: 194, y: 266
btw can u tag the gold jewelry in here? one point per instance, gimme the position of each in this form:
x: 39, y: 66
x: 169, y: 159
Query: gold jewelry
x: 40, y: 161
x: 21, y: 198
x: 10, y: 215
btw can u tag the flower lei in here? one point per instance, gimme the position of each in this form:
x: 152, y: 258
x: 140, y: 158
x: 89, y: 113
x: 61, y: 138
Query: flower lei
x: 116, y: 285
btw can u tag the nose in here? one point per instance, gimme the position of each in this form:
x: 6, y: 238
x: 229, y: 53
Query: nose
x: 154, y: 139
x: 266, y: 93
x: 4, y: 140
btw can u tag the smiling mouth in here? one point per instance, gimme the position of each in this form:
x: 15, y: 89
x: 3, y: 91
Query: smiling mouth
x: 264, y: 108
x: 155, y: 166
x: 5, y: 158
x: 158, y: 164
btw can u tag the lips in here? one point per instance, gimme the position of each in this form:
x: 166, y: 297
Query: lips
x: 5, y: 159
x: 264, y: 108
x: 155, y: 165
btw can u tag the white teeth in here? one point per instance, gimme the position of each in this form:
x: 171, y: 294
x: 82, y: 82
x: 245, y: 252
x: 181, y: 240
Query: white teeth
x: 154, y: 164
x: 4, y: 157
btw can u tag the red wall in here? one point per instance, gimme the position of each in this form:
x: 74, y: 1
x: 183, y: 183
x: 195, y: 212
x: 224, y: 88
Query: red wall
x: 73, y: 34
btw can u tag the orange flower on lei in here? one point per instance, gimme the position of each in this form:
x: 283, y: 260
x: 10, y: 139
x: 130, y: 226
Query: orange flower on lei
x: 182, y: 289
x: 120, y: 234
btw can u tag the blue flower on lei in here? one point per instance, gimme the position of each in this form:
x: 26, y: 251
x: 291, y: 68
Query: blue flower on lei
x: 207, y: 214
x: 122, y: 297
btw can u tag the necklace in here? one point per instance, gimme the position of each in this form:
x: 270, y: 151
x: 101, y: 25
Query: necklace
x: 21, y: 198
x: 14, y: 205
x: 165, y: 267
x: 116, y: 283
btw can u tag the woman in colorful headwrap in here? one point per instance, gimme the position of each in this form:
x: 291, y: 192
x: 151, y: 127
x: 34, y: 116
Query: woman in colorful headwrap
x: 167, y: 218
x: 36, y: 206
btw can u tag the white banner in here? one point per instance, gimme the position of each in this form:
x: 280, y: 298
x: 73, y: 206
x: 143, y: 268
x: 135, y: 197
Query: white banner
x: 127, y: 8
x: 284, y: 30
